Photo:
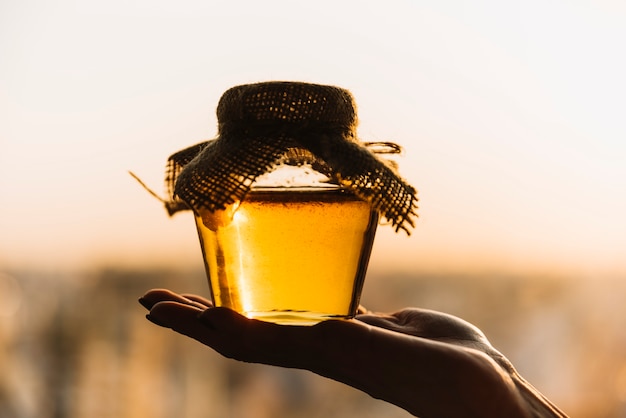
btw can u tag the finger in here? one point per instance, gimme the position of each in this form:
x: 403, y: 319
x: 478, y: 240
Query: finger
x: 180, y: 317
x: 419, y: 323
x: 230, y: 333
x: 154, y: 296
x: 235, y: 336
x: 199, y: 299
x: 389, y: 322
x: 432, y: 325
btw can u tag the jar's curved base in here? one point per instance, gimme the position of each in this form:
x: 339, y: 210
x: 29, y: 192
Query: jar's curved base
x: 294, y: 317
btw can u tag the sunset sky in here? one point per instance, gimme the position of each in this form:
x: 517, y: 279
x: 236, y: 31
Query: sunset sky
x: 512, y: 116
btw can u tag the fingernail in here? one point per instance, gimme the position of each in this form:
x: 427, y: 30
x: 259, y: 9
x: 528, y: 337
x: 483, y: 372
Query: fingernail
x: 145, y: 303
x: 155, y: 321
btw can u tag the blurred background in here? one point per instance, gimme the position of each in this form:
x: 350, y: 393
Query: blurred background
x: 511, y: 116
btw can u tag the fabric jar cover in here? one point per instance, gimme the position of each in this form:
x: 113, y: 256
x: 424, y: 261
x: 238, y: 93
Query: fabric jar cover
x: 266, y: 124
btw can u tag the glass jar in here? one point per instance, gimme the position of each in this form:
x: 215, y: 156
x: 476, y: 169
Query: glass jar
x: 294, y: 251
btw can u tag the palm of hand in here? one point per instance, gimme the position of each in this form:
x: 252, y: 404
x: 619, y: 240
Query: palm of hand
x: 429, y: 363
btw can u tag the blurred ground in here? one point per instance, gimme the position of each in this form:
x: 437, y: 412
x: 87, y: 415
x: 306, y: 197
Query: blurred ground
x: 74, y: 346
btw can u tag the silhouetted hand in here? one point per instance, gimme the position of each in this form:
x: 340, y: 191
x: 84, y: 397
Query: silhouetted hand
x: 431, y: 364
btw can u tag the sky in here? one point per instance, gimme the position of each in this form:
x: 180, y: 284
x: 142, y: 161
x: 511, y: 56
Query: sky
x: 511, y: 115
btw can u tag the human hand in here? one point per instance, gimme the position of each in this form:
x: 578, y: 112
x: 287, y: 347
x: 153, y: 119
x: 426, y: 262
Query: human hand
x: 429, y: 363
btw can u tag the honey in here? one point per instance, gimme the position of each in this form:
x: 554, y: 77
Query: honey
x: 289, y: 255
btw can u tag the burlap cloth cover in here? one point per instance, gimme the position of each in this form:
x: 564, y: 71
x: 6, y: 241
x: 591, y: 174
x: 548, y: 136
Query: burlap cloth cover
x: 266, y: 124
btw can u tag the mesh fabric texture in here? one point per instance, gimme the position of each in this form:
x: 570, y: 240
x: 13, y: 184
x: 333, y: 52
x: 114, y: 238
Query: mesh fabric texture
x: 262, y: 125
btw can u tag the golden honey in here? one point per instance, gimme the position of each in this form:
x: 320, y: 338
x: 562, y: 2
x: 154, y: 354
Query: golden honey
x: 289, y: 255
